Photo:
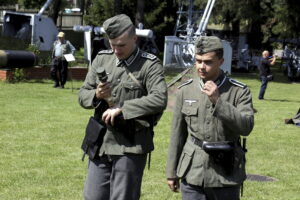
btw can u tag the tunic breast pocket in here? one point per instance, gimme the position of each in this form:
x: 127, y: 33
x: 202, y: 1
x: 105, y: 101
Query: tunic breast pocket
x: 191, y: 117
x: 130, y: 90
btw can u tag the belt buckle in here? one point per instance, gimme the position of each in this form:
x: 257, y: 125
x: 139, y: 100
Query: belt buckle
x: 193, y: 139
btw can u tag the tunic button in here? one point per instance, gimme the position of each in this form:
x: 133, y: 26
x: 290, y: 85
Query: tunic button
x: 207, y: 106
x: 114, y: 94
x: 118, y: 80
x: 131, y: 87
x: 207, y: 122
x: 207, y: 137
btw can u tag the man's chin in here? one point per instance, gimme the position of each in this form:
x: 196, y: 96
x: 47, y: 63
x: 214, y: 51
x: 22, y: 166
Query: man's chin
x: 202, y: 76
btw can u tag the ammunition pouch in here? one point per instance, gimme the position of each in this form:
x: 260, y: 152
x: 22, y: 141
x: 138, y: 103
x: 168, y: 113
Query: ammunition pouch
x: 222, y: 153
x: 126, y: 127
x: 130, y: 126
x: 93, y: 138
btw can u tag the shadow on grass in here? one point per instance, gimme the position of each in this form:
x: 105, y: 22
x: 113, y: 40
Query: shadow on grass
x: 281, y: 100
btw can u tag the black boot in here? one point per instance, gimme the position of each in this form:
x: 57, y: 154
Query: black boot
x: 56, y: 85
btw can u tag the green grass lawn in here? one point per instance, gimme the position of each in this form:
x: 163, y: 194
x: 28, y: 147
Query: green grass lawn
x: 41, y: 129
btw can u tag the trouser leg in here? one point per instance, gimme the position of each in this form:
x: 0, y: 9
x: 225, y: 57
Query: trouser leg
x: 223, y: 193
x: 115, y: 177
x: 263, y: 87
x: 64, y: 72
x: 192, y: 192
x: 97, y: 185
x: 126, y: 177
x: 53, y: 72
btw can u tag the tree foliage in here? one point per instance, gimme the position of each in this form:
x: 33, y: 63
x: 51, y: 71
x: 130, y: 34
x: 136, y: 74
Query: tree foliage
x: 286, y: 21
x: 157, y: 15
x: 8, y: 2
x: 259, y: 19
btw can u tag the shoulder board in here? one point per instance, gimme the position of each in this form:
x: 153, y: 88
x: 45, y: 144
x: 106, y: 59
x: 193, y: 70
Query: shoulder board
x: 148, y: 56
x: 185, y: 83
x: 237, y: 83
x: 107, y: 51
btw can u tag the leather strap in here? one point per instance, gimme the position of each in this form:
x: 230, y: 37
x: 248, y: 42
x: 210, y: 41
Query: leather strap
x: 196, y: 141
x: 135, y: 80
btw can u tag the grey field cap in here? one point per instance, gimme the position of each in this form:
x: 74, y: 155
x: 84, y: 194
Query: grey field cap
x: 117, y: 25
x: 205, y: 44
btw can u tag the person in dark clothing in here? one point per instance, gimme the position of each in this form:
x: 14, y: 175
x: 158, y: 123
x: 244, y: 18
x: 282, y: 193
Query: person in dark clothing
x: 99, y: 44
x: 264, y: 71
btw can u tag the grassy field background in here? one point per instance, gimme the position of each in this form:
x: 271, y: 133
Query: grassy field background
x: 41, y: 129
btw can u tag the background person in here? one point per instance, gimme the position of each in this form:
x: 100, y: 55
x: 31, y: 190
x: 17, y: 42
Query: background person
x: 117, y: 172
x: 209, y: 108
x: 264, y: 71
x: 59, y: 69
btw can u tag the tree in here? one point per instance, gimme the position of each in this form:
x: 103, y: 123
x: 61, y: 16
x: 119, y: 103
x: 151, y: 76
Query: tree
x: 54, y: 9
x: 8, y: 2
x: 139, y: 16
x: 286, y: 21
x: 118, y: 6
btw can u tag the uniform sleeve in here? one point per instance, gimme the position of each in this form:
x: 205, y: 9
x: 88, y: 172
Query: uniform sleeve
x: 239, y: 119
x: 178, y: 137
x: 87, y: 92
x: 156, y: 99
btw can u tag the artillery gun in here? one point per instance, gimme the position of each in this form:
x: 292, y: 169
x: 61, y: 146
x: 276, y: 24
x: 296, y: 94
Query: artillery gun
x: 179, y: 48
x: 36, y: 29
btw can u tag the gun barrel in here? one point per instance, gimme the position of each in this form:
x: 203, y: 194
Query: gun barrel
x: 17, y: 59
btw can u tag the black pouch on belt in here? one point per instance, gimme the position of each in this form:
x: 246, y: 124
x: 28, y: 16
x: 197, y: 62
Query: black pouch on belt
x: 93, y: 138
x: 222, y: 154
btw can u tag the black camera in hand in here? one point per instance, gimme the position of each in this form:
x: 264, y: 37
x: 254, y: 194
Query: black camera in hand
x: 102, y: 76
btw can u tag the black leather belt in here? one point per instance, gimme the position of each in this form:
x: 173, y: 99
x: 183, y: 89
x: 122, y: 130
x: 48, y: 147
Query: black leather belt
x: 196, y: 141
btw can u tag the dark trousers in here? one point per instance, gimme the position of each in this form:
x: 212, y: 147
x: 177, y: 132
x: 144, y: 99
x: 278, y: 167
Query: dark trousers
x: 115, y: 177
x: 193, y: 192
x: 59, y: 71
x: 263, y: 87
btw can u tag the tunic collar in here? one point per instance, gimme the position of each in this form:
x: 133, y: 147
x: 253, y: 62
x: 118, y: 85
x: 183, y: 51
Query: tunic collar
x: 130, y: 59
x: 219, y: 81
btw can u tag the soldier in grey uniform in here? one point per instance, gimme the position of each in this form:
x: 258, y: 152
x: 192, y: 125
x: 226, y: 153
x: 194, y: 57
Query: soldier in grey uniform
x: 137, y: 90
x: 211, y: 109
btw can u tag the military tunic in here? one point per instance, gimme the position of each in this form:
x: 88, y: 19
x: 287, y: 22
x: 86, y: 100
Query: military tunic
x: 227, y: 120
x: 148, y: 70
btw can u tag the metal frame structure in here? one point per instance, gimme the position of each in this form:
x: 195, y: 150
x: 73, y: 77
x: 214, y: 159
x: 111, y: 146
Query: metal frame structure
x: 179, y: 48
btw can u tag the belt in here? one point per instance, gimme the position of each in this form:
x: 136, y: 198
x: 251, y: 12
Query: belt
x: 196, y: 141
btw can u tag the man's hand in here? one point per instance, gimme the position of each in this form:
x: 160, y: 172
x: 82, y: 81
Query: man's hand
x: 103, y: 90
x: 109, y: 115
x: 212, y: 91
x: 174, y: 184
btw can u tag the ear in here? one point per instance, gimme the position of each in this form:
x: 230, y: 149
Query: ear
x: 135, y: 38
x: 221, y: 61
